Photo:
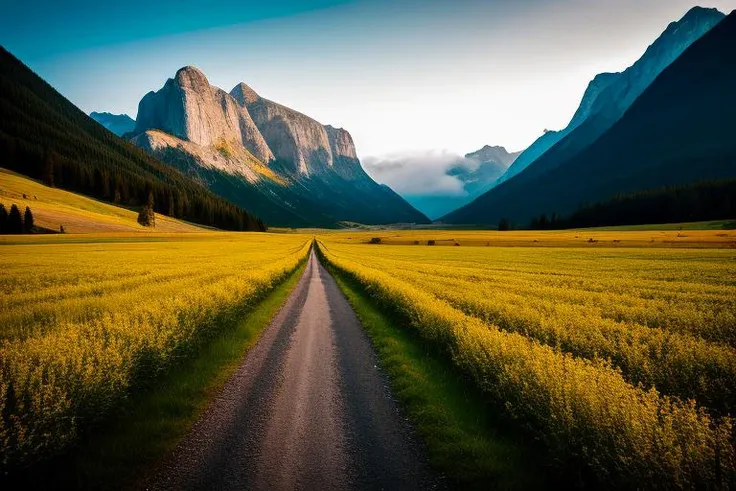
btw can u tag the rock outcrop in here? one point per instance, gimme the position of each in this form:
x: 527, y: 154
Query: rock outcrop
x: 341, y: 143
x: 292, y: 136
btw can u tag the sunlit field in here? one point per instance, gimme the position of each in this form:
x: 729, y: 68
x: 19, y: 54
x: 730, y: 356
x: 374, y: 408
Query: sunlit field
x: 53, y: 208
x: 621, y: 360
x: 87, y: 320
x: 590, y: 238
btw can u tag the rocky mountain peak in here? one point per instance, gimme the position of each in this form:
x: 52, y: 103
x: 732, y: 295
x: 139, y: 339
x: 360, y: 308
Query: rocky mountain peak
x: 192, y: 78
x: 675, y: 39
x: 244, y: 94
x: 495, y: 154
x: 701, y: 12
x: 190, y: 109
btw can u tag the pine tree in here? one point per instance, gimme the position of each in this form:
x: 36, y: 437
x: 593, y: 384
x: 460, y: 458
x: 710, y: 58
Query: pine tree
x: 147, y: 217
x: 543, y: 223
x: 28, y: 221
x: 3, y: 219
x: 15, y: 221
x: 171, y: 204
x: 48, y: 168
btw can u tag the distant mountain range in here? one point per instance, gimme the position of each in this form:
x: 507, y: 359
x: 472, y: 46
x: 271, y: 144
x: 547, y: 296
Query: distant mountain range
x: 675, y: 130
x: 288, y: 168
x: 119, y: 124
x: 477, y: 173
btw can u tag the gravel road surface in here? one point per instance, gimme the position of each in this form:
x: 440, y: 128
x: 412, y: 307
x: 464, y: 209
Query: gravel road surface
x: 308, y: 409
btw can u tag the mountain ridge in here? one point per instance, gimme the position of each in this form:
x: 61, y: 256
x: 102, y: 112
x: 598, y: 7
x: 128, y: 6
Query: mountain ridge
x: 120, y: 124
x: 606, y: 101
x: 290, y: 168
x: 680, y: 130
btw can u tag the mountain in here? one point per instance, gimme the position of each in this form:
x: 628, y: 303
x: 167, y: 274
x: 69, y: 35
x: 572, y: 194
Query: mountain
x: 550, y: 138
x: 287, y: 167
x: 477, y: 173
x: 46, y: 137
x: 119, y: 124
x: 492, y: 163
x: 609, y: 95
x: 679, y: 131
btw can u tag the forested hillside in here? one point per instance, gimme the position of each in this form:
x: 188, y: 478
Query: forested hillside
x: 700, y: 201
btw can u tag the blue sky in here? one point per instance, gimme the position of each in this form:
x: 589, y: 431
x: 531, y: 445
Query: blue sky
x: 400, y: 75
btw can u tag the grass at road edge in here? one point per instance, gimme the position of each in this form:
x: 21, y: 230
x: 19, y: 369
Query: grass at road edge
x: 448, y: 413
x: 123, y: 451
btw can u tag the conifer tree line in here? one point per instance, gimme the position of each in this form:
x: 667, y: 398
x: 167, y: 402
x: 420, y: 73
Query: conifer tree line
x: 12, y: 222
x: 45, y: 137
x: 700, y: 201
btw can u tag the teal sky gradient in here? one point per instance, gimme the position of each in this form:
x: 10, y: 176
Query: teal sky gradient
x: 400, y: 75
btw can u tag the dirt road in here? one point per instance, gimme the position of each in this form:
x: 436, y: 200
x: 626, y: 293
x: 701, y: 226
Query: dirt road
x: 308, y: 409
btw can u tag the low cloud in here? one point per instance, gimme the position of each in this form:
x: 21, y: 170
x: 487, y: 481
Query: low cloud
x: 419, y: 173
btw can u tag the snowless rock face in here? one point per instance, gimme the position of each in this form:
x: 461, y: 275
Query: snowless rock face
x: 155, y: 142
x: 345, y: 159
x: 244, y: 94
x: 341, y: 143
x: 291, y: 136
x: 189, y: 108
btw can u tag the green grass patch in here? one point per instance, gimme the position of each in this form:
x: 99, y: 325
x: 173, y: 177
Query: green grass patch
x: 463, y: 434
x: 118, y: 455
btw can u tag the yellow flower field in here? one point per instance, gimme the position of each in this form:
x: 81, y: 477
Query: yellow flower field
x: 622, y: 359
x: 86, y: 320
x: 686, y: 235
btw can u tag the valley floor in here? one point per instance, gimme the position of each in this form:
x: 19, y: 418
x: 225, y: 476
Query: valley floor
x: 507, y: 362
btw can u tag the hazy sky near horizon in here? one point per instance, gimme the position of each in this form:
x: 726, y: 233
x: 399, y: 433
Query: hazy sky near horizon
x: 402, y: 76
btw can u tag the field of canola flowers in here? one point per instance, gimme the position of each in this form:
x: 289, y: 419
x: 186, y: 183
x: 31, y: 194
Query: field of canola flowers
x: 621, y: 361
x: 87, y: 320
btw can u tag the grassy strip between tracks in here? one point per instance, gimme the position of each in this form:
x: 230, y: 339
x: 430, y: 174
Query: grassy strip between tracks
x: 464, y: 440
x: 118, y: 455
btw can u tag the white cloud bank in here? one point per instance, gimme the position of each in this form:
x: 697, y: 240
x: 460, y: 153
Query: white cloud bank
x: 419, y: 172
